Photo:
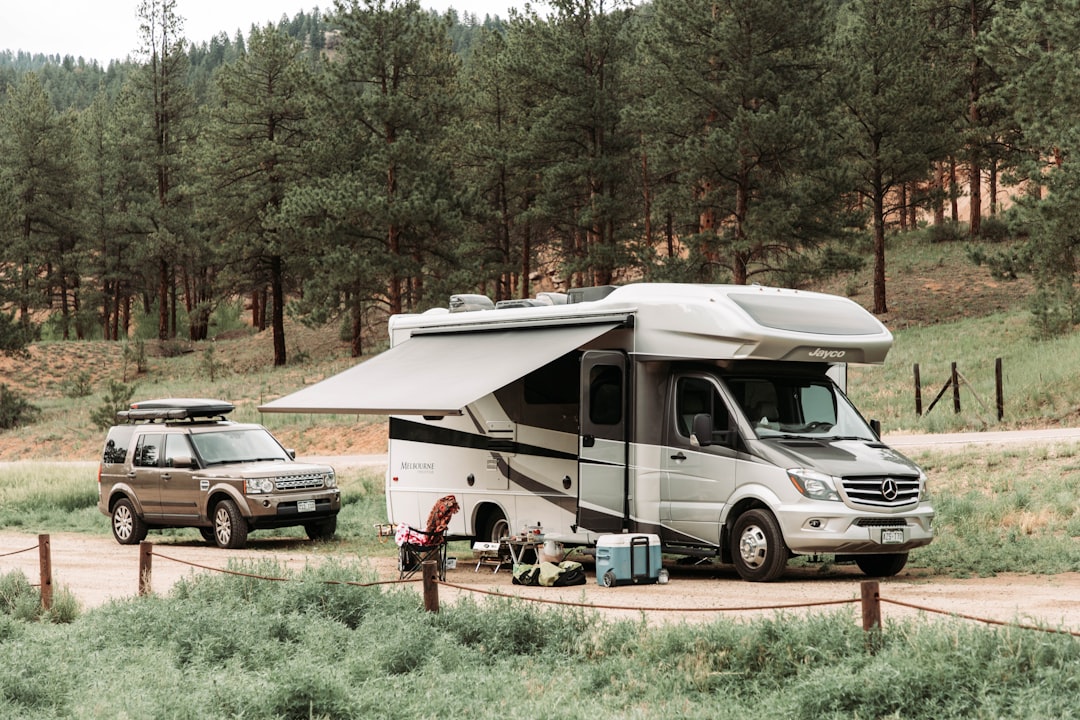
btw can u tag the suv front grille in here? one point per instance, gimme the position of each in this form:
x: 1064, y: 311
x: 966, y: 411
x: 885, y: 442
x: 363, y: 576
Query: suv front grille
x: 882, y: 491
x: 292, y: 483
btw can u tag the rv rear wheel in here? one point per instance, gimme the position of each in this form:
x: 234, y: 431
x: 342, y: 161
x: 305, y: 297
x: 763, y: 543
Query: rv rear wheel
x: 493, y: 526
x: 759, y: 554
x: 884, y: 565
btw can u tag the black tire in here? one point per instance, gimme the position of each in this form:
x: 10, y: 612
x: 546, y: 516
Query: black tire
x: 321, y: 529
x: 608, y: 580
x: 230, y: 527
x: 208, y: 535
x: 495, y: 526
x: 884, y: 565
x: 758, y: 553
x: 127, y: 527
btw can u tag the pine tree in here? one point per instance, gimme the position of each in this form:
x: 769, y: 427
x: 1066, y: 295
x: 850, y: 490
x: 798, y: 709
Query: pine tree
x: 898, y: 107
x: 255, y: 157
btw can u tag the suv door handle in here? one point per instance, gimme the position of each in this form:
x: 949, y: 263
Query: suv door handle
x: 678, y: 457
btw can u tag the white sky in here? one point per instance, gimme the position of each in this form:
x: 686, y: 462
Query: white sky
x: 105, y: 30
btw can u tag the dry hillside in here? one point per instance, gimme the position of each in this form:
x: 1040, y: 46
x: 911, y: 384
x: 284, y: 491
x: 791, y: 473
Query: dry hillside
x: 943, y: 288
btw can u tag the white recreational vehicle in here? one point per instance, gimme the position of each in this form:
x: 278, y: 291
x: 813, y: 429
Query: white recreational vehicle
x: 704, y: 414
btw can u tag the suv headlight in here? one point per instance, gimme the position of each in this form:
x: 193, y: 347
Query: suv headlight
x: 813, y: 484
x: 330, y: 480
x: 259, y: 486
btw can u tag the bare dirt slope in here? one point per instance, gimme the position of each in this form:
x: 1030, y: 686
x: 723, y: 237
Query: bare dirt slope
x: 98, y: 570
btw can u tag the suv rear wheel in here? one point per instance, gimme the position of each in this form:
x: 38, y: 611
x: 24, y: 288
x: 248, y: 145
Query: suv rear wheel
x: 127, y: 527
x: 230, y: 527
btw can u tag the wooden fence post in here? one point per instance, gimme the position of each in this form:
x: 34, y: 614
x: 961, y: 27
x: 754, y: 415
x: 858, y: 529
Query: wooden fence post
x: 45, y: 571
x: 431, y: 588
x: 146, y: 563
x: 955, y: 390
x: 918, y: 391
x: 871, y: 605
x: 998, y: 384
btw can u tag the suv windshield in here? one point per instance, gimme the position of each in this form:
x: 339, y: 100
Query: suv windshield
x: 805, y: 407
x: 237, y: 446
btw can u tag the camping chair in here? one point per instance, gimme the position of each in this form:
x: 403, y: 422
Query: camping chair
x: 417, y: 546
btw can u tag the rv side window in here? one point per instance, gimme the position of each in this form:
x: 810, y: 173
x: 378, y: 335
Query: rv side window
x: 694, y: 396
x: 555, y: 383
x: 605, y: 395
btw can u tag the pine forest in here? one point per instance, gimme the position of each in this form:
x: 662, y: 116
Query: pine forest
x: 376, y: 157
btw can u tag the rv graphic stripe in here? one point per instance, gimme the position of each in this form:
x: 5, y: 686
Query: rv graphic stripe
x: 401, y: 429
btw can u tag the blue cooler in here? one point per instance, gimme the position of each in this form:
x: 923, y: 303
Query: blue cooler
x: 627, y: 559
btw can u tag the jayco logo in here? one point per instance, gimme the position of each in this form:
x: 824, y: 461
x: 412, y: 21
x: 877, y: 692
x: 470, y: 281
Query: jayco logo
x: 418, y: 466
x: 828, y: 354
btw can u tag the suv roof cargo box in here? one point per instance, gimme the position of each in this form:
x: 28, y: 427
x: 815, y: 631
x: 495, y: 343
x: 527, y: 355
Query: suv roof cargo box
x: 175, y: 409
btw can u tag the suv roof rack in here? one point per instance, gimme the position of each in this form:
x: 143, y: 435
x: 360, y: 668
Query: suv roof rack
x: 176, y: 409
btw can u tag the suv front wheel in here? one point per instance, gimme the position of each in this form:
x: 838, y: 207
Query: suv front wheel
x: 230, y: 527
x: 321, y: 529
x: 127, y: 527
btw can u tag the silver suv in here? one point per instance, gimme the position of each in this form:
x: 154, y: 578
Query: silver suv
x: 180, y: 463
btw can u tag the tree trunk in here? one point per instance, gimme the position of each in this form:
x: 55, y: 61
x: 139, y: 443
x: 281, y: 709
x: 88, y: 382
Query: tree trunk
x: 880, y: 305
x: 163, y: 299
x: 277, y: 288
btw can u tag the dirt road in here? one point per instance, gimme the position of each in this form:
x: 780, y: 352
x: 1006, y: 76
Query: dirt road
x: 96, y: 570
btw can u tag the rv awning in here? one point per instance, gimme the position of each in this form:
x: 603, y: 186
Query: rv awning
x: 437, y: 374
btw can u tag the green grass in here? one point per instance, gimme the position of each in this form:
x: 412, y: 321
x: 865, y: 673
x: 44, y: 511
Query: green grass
x: 232, y: 647
x: 1039, y: 388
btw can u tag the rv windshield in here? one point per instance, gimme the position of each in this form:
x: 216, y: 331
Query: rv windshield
x: 804, y: 407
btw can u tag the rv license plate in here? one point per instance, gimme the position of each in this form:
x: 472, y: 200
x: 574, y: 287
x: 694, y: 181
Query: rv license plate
x: 309, y: 506
x: 892, y: 537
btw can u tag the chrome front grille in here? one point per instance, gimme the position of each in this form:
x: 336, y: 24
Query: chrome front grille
x: 292, y: 483
x: 882, y: 491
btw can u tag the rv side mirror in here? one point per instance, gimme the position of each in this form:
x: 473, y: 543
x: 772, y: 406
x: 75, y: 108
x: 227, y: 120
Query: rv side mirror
x: 701, y: 433
x: 875, y: 425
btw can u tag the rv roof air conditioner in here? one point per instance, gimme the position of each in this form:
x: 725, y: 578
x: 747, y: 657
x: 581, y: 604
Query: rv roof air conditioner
x: 589, y: 294
x: 520, y: 303
x: 469, y: 303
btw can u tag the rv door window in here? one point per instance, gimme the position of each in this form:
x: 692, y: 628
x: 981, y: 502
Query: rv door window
x: 605, y: 395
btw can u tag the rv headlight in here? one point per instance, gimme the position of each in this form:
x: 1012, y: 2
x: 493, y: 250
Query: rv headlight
x: 813, y: 484
x: 259, y: 486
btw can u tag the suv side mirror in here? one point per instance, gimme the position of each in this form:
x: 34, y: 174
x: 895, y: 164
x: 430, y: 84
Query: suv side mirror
x: 701, y: 433
x: 181, y: 461
x: 875, y: 425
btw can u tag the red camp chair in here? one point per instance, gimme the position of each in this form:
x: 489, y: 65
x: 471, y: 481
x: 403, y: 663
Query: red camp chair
x: 417, y: 546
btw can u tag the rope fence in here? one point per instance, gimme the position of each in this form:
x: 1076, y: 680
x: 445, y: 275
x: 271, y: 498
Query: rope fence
x: 870, y: 594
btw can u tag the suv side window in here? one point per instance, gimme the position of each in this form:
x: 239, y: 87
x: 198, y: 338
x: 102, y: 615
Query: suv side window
x: 176, y: 446
x: 116, y: 447
x: 148, y: 450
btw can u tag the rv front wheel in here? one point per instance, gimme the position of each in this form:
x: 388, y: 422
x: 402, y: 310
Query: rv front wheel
x: 759, y: 554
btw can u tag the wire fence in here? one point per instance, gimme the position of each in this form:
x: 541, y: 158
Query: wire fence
x: 870, y: 595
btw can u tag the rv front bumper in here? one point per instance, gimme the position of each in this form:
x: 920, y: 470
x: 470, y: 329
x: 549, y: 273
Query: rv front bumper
x: 807, y: 532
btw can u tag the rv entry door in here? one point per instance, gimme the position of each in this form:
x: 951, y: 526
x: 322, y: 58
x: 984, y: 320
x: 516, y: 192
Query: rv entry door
x: 603, y: 450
